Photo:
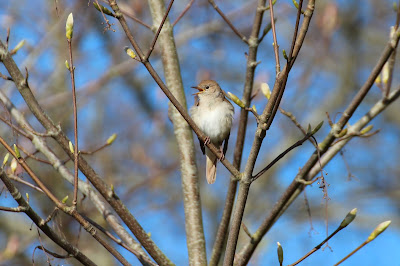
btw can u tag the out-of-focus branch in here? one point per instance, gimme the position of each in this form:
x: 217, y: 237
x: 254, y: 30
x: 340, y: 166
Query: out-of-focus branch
x: 280, y: 156
x: 225, y: 18
x: 346, y: 221
x: 276, y: 45
x: 190, y: 180
x: 189, y: 5
x: 62, y: 206
x: 265, y: 122
x: 296, y: 187
x: 221, y: 236
x: 71, y: 69
x: 168, y: 93
x: 40, y: 144
x: 86, y: 169
x: 160, y: 27
x: 59, y: 240
x: 353, y: 131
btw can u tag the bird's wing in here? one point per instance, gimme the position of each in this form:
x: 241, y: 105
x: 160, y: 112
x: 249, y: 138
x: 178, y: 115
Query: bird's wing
x: 226, y: 143
x: 202, y: 146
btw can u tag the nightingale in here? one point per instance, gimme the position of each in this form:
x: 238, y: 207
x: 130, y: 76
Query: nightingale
x: 213, y: 114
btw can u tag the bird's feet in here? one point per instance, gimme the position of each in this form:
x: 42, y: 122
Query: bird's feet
x: 207, y: 140
x: 221, y: 149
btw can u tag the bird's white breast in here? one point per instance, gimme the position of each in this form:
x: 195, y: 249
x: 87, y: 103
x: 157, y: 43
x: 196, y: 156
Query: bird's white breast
x: 215, y: 120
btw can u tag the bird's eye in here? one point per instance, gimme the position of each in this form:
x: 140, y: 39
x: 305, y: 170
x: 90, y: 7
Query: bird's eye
x: 207, y: 87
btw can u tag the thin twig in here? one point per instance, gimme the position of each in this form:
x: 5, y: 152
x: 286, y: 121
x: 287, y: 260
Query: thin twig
x: 276, y: 45
x: 225, y: 18
x: 132, y: 17
x: 246, y: 230
x: 51, y: 215
x: 297, y: 124
x: 6, y: 77
x: 26, y: 183
x: 59, y: 240
x: 189, y: 5
x: 70, y: 211
x: 168, y: 93
x: 351, y: 253
x: 76, y: 147
x: 119, y: 241
x: 392, y: 58
x: 296, y: 28
x: 221, y: 235
x: 280, y: 156
x: 84, y: 166
x: 33, y: 253
x: 55, y: 255
x: 32, y: 156
x: 14, y: 127
x: 318, y: 246
x: 153, y: 43
x: 310, y: 169
x: 13, y: 209
x: 254, y: 112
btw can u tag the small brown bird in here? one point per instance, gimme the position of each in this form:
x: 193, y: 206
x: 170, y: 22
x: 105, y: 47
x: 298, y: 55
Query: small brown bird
x: 213, y: 114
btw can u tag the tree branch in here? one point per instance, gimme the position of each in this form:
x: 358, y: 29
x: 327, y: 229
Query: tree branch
x: 62, y: 242
x: 85, y: 168
x: 195, y: 239
x: 296, y: 187
x: 265, y: 122
x: 225, y: 18
x: 221, y: 236
x: 40, y: 144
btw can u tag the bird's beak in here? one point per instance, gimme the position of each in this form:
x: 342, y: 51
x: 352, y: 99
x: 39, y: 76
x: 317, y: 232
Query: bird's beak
x: 199, y: 89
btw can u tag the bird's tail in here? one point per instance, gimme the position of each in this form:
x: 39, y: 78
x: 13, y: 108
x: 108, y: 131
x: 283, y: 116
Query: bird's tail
x: 211, y: 166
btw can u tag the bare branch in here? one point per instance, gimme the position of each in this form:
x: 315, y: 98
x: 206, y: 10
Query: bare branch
x: 236, y: 31
x: 189, y: 5
x: 153, y: 43
x: 276, y: 45
x: 59, y: 240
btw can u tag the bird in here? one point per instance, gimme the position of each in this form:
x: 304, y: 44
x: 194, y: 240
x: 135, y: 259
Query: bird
x: 213, y: 114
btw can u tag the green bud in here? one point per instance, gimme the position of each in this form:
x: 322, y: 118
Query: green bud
x: 295, y: 4
x: 317, y: 128
x: 366, y: 129
x: 309, y: 129
x: 103, y: 9
x: 130, y: 52
x: 71, y: 147
x: 111, y: 139
x: 17, y: 47
x: 342, y: 133
x: 5, y: 160
x: 69, y: 27
x: 284, y: 54
x: 378, y: 230
x: 13, y: 165
x: 64, y: 200
x: 236, y: 100
x: 280, y: 253
x: 349, y: 218
x: 385, y: 73
x: 266, y: 90
x: 17, y: 151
